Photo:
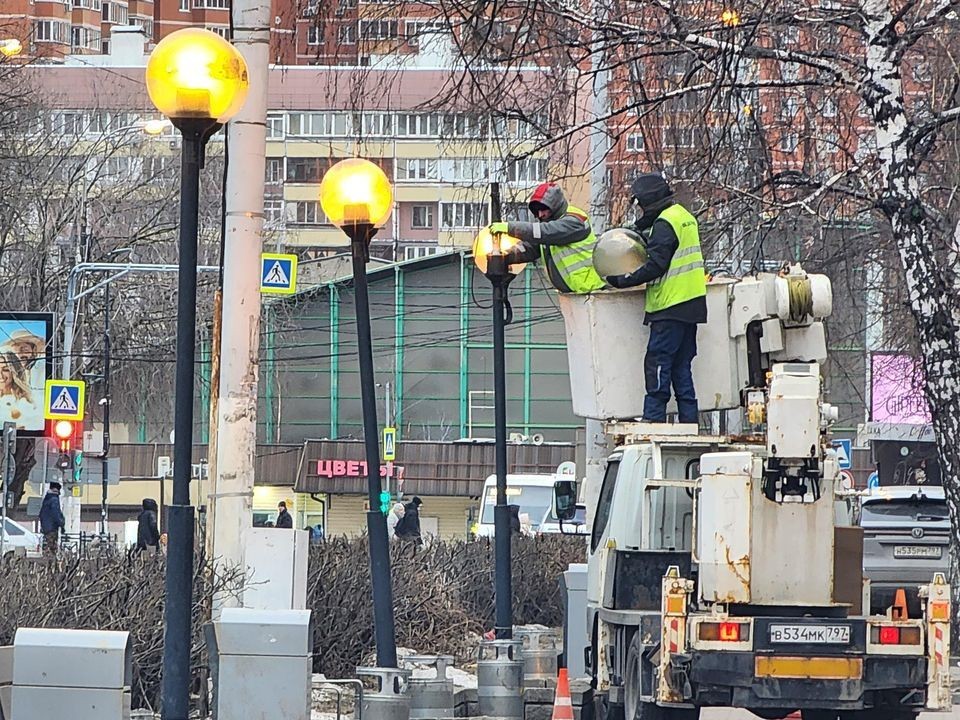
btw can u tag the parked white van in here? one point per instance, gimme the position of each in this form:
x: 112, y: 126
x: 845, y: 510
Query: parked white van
x: 533, y: 494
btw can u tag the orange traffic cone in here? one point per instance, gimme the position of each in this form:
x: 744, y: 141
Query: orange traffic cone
x: 562, y: 703
x: 899, y: 609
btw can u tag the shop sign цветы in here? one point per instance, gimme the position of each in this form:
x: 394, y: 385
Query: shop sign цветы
x: 355, y: 468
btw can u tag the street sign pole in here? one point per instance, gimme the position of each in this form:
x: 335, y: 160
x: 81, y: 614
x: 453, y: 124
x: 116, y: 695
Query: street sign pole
x: 9, y: 445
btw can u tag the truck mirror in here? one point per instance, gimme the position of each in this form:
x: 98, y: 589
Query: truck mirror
x: 565, y: 499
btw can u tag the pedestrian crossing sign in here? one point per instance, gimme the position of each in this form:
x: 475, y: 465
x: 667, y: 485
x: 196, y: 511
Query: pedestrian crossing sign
x: 278, y: 274
x: 64, y: 399
x: 844, y: 448
x: 389, y: 444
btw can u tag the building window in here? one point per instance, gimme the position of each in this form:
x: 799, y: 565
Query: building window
x: 518, y: 211
x: 419, y: 125
x: 146, y: 24
x: 51, y: 31
x: 463, y: 125
x: 156, y: 166
x: 788, y: 142
x: 307, y: 212
x: 273, y: 211
x: 378, y: 29
x: 414, y: 30
x: 463, y: 216
x: 413, y: 252
x: 105, y: 12
x: 463, y: 170
x: 319, y: 124
x: 212, y: 4
x: 314, y: 35
x: 681, y: 137
x: 416, y: 169
x: 273, y: 174
x: 377, y: 124
x: 422, y: 217
x: 306, y: 170
x: 104, y: 47
x: 221, y: 30
x: 634, y: 142
x: 347, y: 34
x: 184, y: 5
x: 531, y: 128
x: 274, y: 126
x: 67, y: 122
x: 527, y: 170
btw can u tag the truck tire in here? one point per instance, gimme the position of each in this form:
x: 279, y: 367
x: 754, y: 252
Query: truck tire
x: 633, y: 707
x: 880, y: 713
x: 603, y: 709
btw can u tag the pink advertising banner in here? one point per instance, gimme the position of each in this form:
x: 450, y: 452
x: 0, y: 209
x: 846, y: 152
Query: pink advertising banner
x: 897, y: 394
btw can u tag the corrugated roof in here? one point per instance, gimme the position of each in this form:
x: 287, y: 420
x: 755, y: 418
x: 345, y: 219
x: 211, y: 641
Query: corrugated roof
x: 429, y: 468
x: 275, y: 464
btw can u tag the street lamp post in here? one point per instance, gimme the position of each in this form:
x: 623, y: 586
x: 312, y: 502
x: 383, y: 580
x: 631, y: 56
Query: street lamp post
x: 356, y: 196
x: 489, y: 254
x: 199, y: 81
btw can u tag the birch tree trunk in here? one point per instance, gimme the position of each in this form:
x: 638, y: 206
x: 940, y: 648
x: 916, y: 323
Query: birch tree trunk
x: 931, y: 283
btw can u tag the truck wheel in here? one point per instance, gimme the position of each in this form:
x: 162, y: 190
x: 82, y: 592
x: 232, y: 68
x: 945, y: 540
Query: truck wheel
x: 650, y: 711
x: 603, y: 709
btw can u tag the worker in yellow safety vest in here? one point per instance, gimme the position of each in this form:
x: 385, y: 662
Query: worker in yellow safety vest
x: 676, y: 297
x: 562, y: 238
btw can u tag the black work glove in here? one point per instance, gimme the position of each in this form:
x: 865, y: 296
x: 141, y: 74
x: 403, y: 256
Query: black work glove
x: 619, y: 281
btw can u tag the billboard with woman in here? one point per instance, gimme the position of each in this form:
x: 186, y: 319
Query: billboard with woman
x: 26, y: 361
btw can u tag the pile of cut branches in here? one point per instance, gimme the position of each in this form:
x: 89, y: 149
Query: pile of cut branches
x: 442, y: 594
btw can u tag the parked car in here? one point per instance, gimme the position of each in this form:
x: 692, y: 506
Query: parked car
x: 906, y: 535
x: 16, y: 535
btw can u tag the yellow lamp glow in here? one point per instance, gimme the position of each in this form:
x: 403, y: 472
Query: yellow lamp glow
x: 155, y: 127
x: 356, y: 191
x: 10, y: 47
x: 195, y: 73
x: 485, y: 245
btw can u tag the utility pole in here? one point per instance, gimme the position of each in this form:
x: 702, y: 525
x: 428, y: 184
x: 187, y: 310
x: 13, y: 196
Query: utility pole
x: 106, y: 407
x: 230, y: 507
x: 596, y: 441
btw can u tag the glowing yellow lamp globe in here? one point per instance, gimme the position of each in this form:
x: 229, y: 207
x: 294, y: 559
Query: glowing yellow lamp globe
x: 195, y: 73
x: 484, y: 245
x: 10, y: 47
x: 356, y: 191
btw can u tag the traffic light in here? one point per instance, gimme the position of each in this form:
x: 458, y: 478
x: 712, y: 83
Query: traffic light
x: 77, y: 465
x: 385, y: 501
x: 67, y: 434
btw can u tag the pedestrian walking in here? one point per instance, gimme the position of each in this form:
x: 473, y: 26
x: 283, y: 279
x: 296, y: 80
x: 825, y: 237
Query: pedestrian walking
x: 409, y: 525
x: 148, y: 532
x: 393, y: 519
x: 284, y: 519
x: 52, y: 522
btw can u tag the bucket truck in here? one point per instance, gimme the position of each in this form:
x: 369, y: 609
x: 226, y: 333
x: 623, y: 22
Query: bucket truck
x: 722, y: 568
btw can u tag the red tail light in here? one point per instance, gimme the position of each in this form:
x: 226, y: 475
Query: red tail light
x: 730, y: 632
x: 889, y: 635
